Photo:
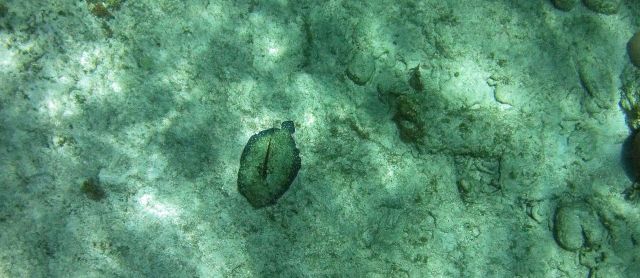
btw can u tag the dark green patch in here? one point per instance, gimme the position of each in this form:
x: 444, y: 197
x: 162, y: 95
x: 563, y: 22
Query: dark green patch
x: 408, y: 120
x: 93, y: 190
x: 3, y: 10
x: 632, y: 193
x: 100, y: 10
x: 415, y: 80
x: 104, y: 9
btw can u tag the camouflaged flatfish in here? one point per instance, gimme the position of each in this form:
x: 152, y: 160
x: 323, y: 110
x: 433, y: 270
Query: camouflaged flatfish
x: 269, y: 163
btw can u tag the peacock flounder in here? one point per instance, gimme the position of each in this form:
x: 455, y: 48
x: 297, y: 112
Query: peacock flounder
x: 268, y: 165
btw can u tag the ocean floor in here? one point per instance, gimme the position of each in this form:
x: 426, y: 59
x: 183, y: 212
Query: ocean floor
x: 437, y: 138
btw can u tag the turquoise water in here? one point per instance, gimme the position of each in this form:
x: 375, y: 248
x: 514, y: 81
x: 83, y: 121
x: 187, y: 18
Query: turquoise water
x: 436, y: 138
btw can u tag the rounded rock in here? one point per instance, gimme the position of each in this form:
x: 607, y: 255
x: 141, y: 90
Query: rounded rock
x: 565, y: 5
x: 268, y: 165
x: 577, y: 225
x: 603, y: 6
